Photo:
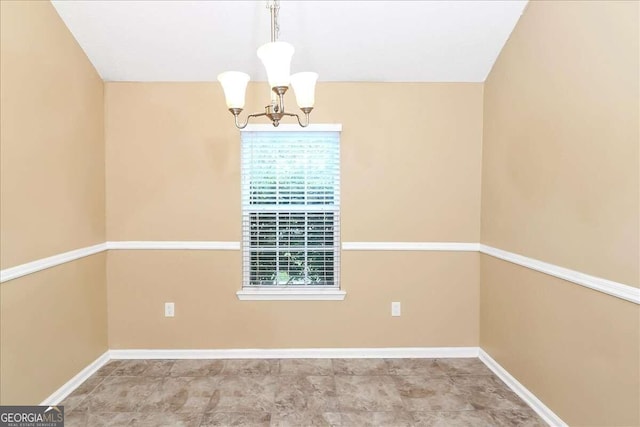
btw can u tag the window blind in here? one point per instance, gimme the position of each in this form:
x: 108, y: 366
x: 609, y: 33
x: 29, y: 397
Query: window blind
x: 291, y: 208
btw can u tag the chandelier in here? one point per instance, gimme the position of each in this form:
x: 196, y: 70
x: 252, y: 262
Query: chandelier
x: 276, y: 58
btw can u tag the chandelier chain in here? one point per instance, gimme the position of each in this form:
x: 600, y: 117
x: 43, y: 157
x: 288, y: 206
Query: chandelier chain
x: 274, y: 9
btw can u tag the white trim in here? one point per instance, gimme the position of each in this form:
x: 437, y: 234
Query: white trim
x: 52, y: 261
x: 300, y: 353
x: 286, y: 294
x: 529, y: 398
x: 313, y: 127
x: 57, y: 396
x: 609, y: 287
x: 410, y: 246
x: 174, y: 245
x: 55, y: 260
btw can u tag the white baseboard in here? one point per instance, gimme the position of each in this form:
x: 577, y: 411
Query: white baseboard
x: 302, y: 353
x: 59, y: 395
x: 529, y: 398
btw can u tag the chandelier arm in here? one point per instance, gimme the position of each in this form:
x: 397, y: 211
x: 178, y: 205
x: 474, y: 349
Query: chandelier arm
x: 304, y: 125
x: 246, y: 122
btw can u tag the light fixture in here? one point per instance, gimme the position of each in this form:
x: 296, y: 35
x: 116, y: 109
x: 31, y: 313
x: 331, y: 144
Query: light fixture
x: 276, y: 57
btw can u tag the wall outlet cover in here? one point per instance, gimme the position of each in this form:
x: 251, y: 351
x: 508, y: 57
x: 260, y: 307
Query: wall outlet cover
x: 169, y: 309
x: 395, y: 309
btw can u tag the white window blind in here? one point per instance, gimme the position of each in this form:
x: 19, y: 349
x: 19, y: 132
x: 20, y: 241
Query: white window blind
x: 291, y: 209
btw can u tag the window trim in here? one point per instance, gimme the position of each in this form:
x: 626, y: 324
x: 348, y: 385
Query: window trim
x: 313, y: 127
x: 292, y: 293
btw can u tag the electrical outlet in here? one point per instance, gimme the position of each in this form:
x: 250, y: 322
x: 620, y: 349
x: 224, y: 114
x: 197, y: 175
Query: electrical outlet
x: 169, y: 309
x: 395, y: 309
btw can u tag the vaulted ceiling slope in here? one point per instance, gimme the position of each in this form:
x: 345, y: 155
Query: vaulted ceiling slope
x: 388, y: 41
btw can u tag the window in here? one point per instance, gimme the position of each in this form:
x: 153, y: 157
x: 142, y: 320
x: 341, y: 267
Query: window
x: 291, y: 213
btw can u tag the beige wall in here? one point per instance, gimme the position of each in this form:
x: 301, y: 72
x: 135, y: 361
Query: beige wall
x: 173, y: 157
x: 52, y: 152
x: 54, y: 324
x: 576, y: 349
x: 52, y: 201
x: 561, y: 184
x: 173, y: 174
x: 440, y: 303
x: 560, y: 176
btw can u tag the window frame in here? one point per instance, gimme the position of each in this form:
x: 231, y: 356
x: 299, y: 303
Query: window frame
x: 292, y: 292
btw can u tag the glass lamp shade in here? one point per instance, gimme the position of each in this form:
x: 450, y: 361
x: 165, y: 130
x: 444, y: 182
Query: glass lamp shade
x: 234, y: 84
x: 276, y: 57
x: 304, y: 86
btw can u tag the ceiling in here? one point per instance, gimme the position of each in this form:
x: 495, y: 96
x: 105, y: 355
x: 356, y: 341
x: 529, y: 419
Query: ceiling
x: 388, y: 41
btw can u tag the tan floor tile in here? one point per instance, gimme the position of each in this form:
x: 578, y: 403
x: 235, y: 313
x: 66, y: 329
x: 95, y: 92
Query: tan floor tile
x: 308, y: 419
x: 425, y: 367
x: 463, y: 366
x: 421, y: 393
x: 73, y: 401
x: 366, y: 419
x: 196, y: 368
x: 251, y: 367
x: 521, y: 418
x: 108, y: 368
x: 367, y: 393
x: 454, y: 419
x: 229, y: 419
x: 238, y: 394
x: 138, y: 419
x: 121, y: 394
x: 306, y: 367
x: 487, y: 392
x: 295, y: 394
x: 146, y: 368
x: 76, y: 419
x: 181, y: 395
x: 360, y: 367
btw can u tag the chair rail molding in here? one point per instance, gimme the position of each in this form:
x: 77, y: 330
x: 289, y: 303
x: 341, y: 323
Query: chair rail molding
x: 609, y: 287
x: 410, y: 246
x: 620, y: 290
x: 48, y: 262
x: 173, y: 245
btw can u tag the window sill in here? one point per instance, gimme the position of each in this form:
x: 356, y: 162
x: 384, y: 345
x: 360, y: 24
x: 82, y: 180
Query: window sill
x: 291, y: 295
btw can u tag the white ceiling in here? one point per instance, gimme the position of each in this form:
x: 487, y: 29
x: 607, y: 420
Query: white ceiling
x: 390, y: 41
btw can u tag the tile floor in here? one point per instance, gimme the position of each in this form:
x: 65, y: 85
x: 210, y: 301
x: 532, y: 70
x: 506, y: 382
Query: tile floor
x: 296, y: 392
